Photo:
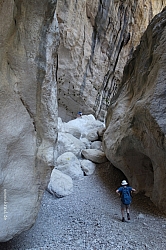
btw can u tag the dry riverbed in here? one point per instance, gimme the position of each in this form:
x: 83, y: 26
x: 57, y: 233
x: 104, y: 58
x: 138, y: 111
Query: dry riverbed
x: 90, y: 219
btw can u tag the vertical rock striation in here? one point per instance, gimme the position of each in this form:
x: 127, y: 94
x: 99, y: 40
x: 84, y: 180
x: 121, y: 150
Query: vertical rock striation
x: 29, y: 38
x: 97, y: 39
x: 135, y: 139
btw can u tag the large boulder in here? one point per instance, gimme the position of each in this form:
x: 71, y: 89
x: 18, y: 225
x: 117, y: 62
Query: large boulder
x: 29, y: 39
x: 96, y: 145
x: 60, y: 184
x: 69, y: 143
x: 86, y: 142
x: 94, y: 155
x: 92, y: 135
x: 88, y: 167
x: 76, y: 134
x: 135, y: 139
x: 69, y: 165
x: 85, y: 124
x: 71, y: 128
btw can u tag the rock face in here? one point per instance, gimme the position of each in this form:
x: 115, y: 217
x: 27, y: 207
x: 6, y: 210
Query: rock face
x: 97, y: 38
x: 135, y: 139
x: 29, y: 39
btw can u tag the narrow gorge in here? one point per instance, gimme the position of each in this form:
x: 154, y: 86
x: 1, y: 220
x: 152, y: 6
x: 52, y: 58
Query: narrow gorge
x: 105, y: 58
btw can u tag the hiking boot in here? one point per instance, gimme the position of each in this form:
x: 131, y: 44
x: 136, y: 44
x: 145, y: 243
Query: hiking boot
x: 128, y: 216
x: 123, y: 219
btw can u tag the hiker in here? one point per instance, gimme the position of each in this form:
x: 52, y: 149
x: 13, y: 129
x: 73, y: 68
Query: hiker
x: 79, y: 114
x: 125, y: 193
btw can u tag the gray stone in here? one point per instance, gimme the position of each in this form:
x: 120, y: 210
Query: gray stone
x: 86, y: 142
x: 94, y: 155
x: 69, y: 143
x: 60, y: 184
x: 70, y: 165
x: 88, y: 167
x: 96, y: 145
x: 70, y: 127
x: 73, y: 130
x: 92, y: 135
x: 141, y: 216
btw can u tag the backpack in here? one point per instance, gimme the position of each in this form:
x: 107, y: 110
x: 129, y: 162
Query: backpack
x: 125, y: 196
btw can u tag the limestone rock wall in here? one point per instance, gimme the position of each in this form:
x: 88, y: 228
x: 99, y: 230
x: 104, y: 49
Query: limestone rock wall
x: 97, y: 38
x: 29, y: 38
x: 135, y: 139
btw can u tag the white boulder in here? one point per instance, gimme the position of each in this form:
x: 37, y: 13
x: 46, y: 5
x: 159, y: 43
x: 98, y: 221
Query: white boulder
x: 86, y: 142
x: 73, y: 130
x: 92, y: 135
x: 60, y: 184
x: 69, y: 143
x: 70, y: 165
x: 94, y: 155
x: 96, y: 145
x: 70, y: 128
x: 86, y: 123
x: 88, y: 167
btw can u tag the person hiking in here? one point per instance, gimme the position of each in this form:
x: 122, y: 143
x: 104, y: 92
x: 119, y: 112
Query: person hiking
x: 125, y: 193
x: 79, y: 114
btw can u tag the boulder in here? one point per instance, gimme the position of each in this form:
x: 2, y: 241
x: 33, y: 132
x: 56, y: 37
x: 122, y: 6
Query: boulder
x: 60, y: 184
x: 86, y: 142
x: 72, y: 129
x: 88, y: 167
x: 95, y: 155
x: 96, y: 145
x: 69, y: 143
x: 69, y: 165
x: 85, y: 124
x: 92, y: 135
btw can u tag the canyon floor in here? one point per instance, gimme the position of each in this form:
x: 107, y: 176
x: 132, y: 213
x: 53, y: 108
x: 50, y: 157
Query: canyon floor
x: 90, y: 219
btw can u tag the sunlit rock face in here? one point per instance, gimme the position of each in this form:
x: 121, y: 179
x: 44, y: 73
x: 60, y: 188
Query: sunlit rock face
x: 97, y: 39
x: 29, y: 38
x: 135, y: 139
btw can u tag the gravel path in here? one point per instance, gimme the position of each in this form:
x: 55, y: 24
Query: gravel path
x: 90, y: 219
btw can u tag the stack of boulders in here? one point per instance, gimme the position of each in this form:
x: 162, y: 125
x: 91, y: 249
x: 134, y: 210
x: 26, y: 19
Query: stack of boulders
x: 79, y: 149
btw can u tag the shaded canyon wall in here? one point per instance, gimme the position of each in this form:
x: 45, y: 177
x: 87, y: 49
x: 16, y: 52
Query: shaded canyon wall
x: 97, y: 39
x: 135, y: 139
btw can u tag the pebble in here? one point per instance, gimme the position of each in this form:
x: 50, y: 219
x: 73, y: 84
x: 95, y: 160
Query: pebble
x: 140, y: 216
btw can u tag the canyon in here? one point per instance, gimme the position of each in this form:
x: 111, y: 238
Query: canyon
x: 61, y: 57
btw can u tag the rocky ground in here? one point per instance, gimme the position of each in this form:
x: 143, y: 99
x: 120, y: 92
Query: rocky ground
x: 90, y: 219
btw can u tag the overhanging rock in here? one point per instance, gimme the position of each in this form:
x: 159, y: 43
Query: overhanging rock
x: 135, y: 139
